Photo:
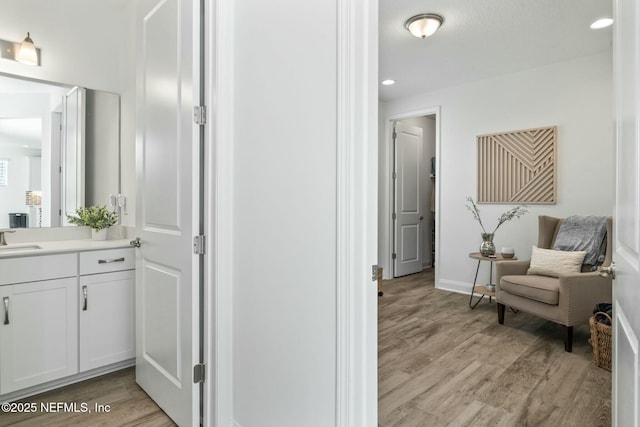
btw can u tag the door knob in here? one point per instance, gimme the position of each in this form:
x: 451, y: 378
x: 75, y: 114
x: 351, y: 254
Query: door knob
x: 421, y: 217
x: 608, y: 271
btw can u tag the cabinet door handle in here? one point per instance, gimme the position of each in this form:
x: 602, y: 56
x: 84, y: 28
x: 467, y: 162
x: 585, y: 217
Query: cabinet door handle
x: 5, y: 300
x: 110, y: 260
x: 84, y: 296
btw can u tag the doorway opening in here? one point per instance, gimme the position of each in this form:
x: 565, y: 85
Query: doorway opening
x: 409, y: 220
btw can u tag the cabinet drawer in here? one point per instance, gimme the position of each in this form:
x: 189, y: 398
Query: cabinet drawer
x: 36, y: 268
x: 106, y: 261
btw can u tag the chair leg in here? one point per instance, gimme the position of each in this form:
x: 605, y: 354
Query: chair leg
x: 501, y: 308
x: 567, y: 332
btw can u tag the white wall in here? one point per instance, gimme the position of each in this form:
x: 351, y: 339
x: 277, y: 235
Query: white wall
x: 285, y: 215
x: 128, y: 117
x: 82, y: 43
x: 576, y: 96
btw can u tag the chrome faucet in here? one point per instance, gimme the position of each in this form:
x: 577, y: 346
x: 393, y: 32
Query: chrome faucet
x: 2, y: 241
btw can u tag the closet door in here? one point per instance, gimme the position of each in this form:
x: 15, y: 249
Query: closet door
x: 407, y: 253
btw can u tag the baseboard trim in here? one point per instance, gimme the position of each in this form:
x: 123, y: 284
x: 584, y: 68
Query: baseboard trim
x: 454, y: 286
x: 52, y: 385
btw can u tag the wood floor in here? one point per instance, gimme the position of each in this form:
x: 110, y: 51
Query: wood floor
x: 129, y: 405
x: 440, y: 364
x: 443, y: 364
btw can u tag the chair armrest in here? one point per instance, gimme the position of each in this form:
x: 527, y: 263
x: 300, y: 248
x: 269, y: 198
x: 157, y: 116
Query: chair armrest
x: 580, y: 292
x: 511, y: 268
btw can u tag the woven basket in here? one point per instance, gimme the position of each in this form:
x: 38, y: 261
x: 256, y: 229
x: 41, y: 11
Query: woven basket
x: 601, y: 341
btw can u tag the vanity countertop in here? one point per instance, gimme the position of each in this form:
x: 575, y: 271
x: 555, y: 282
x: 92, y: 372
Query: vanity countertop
x: 56, y: 246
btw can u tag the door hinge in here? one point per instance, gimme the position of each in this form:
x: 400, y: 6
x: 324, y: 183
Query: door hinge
x: 393, y: 256
x: 394, y: 175
x: 199, y: 245
x: 200, y: 115
x: 395, y: 134
x: 374, y: 272
x: 198, y: 373
x: 393, y: 216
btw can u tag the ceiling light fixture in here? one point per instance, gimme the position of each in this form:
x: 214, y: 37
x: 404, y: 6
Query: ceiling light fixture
x: 423, y: 25
x: 601, y: 23
x: 27, y: 52
x: 388, y: 82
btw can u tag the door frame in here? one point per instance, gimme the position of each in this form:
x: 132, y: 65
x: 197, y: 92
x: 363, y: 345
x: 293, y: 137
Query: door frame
x: 388, y: 200
x: 218, y: 214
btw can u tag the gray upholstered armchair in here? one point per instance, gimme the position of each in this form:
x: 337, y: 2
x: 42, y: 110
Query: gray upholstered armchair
x: 568, y: 299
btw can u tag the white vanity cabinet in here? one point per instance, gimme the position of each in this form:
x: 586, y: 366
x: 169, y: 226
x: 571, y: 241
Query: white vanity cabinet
x: 65, y: 317
x: 106, y: 300
x: 39, y: 323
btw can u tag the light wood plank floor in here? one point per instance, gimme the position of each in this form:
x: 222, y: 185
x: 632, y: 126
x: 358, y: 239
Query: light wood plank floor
x: 440, y: 364
x: 443, y: 364
x: 129, y: 405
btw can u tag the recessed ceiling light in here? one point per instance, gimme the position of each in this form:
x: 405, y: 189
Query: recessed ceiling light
x: 388, y: 82
x: 423, y: 25
x: 601, y: 23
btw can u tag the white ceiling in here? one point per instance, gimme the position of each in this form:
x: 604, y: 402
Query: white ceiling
x: 22, y: 132
x: 483, y: 38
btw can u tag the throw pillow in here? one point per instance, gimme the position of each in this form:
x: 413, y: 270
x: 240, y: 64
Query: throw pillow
x: 547, y: 262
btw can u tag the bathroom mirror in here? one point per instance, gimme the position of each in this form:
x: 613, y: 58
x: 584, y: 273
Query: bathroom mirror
x: 59, y: 149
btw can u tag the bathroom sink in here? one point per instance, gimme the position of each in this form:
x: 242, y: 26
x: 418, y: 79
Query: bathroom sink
x: 17, y: 248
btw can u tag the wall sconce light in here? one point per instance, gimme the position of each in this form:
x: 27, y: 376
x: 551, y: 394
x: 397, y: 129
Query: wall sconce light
x: 25, y: 52
x: 423, y: 25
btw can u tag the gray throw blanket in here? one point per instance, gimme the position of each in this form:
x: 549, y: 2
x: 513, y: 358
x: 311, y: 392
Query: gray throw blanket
x: 584, y: 233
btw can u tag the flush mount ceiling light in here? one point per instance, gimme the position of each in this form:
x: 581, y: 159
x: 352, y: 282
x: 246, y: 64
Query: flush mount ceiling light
x: 423, y: 25
x: 601, y: 23
x: 27, y: 52
x: 388, y: 82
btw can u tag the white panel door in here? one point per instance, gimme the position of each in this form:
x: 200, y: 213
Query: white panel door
x: 167, y: 314
x: 626, y: 289
x: 73, y: 152
x: 408, y: 190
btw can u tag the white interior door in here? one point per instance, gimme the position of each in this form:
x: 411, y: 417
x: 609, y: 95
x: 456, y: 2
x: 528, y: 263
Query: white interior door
x: 626, y: 289
x: 72, y: 159
x: 407, y: 253
x: 167, y: 214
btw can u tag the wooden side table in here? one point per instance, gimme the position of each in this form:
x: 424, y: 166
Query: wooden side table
x: 490, y: 288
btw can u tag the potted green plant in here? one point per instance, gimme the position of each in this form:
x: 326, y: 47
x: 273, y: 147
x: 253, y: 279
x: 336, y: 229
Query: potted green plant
x: 96, y: 217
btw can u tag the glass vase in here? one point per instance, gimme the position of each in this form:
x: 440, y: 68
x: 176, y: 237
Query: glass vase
x: 487, y: 247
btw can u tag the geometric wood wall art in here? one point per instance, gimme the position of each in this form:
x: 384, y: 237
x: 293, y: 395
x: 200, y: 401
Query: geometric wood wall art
x: 518, y: 167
